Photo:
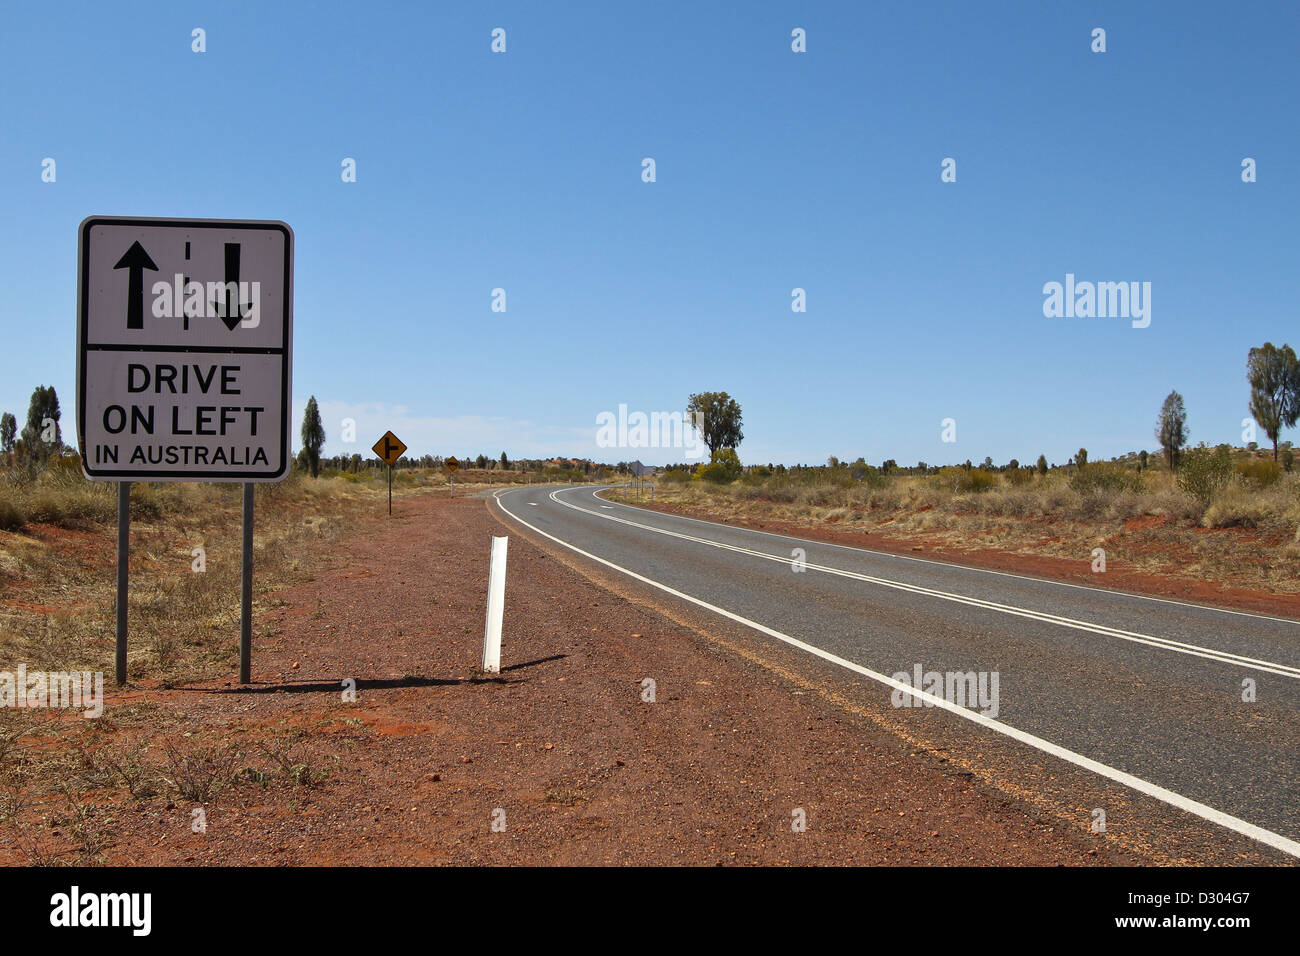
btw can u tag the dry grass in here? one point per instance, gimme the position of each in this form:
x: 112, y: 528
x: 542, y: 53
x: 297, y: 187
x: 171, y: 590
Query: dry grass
x: 1247, y: 535
x: 64, y: 781
x: 57, y: 581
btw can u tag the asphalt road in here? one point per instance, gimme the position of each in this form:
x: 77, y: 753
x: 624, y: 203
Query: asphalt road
x: 1143, y: 691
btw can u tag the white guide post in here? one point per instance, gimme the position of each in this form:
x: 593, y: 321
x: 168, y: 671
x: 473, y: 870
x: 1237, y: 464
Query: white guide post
x: 496, y: 607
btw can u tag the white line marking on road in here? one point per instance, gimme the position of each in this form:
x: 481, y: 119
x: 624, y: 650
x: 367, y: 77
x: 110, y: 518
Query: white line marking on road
x: 1205, y: 812
x: 958, y: 567
x: 1163, y: 643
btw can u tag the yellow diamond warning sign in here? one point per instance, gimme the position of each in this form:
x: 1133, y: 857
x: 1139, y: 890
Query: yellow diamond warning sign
x: 389, y: 449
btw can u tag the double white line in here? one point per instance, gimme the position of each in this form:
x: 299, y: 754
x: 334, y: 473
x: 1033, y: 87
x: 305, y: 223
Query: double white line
x: 1194, y: 650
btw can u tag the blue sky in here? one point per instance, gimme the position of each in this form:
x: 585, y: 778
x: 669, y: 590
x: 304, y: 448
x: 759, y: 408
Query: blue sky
x: 775, y: 170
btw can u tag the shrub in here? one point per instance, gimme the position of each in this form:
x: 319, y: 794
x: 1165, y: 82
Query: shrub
x: 1204, y: 472
x: 1259, y: 472
x: 972, y: 480
x: 11, y: 519
x: 1105, y: 477
x: 1019, y: 476
x: 724, y: 467
x: 1238, y: 508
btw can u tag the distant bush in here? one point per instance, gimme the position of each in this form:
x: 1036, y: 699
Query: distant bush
x: 966, y: 480
x: 1204, y: 472
x: 1105, y: 477
x: 1259, y: 472
x: 677, y: 475
x: 713, y: 472
x: 725, y: 467
x: 1019, y: 476
x: 875, y: 478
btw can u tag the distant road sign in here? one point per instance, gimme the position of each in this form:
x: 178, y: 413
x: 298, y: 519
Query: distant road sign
x: 184, y: 374
x: 452, y: 464
x: 389, y: 449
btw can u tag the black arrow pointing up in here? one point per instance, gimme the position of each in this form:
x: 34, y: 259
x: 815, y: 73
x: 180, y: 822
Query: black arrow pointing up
x: 136, y: 260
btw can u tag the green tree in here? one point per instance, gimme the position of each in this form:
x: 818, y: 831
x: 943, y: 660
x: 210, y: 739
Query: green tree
x: 8, y: 432
x: 1081, y: 457
x: 42, y: 436
x: 1143, y: 458
x: 1042, y: 464
x: 313, y: 435
x: 1274, y: 376
x: 720, y: 417
x: 481, y: 461
x: 505, y: 462
x: 1171, y: 429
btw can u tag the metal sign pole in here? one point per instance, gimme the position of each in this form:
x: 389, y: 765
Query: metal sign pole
x: 390, y: 489
x: 123, y: 561
x: 246, y: 615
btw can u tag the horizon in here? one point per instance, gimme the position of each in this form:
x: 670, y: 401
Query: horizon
x: 780, y: 178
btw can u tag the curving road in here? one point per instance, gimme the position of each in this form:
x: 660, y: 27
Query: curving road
x: 1142, y: 691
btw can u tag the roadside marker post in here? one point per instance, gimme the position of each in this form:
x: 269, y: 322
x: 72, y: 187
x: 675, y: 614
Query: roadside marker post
x: 389, y: 448
x: 147, y: 361
x: 496, y: 606
x: 452, y: 464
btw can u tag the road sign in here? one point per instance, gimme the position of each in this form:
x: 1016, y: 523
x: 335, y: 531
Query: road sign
x: 389, y: 449
x: 184, y: 349
x: 452, y: 464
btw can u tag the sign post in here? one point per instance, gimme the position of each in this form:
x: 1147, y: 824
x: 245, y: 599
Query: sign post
x: 246, y: 592
x: 452, y: 464
x: 389, y: 449
x: 123, y: 557
x: 186, y: 377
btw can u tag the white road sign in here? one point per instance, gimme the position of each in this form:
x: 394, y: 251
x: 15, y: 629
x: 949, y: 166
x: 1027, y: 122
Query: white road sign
x: 184, y: 349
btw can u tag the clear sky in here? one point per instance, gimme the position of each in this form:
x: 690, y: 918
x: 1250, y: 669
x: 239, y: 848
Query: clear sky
x: 775, y: 170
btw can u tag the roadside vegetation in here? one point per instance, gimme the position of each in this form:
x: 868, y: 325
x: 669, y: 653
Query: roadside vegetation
x: 1224, y: 514
x: 1228, y: 514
